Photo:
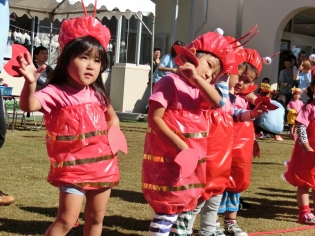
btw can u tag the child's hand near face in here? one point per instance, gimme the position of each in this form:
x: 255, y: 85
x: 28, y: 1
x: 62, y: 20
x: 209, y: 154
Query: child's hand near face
x: 27, y: 68
x: 188, y: 70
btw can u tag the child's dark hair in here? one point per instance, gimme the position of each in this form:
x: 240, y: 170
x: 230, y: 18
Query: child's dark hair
x: 279, y: 97
x: 77, y: 47
x: 179, y: 43
x: 37, y: 51
x: 266, y: 79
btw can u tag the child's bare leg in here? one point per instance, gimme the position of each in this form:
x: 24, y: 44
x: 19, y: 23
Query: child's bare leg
x: 305, y: 215
x: 291, y: 129
x: 230, y: 215
x: 68, y: 213
x: 96, y: 202
x: 302, y: 196
x: 294, y: 129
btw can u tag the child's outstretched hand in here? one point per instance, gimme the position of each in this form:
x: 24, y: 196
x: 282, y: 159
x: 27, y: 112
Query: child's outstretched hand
x: 259, y: 109
x: 27, y: 68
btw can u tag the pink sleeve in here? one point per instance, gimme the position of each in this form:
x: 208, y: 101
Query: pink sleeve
x: 290, y: 105
x: 306, y: 114
x: 163, y: 91
x: 47, y: 98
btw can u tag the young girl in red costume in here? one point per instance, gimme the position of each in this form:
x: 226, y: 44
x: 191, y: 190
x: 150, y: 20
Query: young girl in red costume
x: 81, y: 124
x: 173, y: 171
x: 300, y: 168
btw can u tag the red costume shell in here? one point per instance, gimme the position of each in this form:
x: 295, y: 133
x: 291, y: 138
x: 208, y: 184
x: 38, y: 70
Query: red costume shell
x: 298, y: 173
x: 78, y: 148
x: 219, y: 147
x: 163, y: 186
x: 242, y: 155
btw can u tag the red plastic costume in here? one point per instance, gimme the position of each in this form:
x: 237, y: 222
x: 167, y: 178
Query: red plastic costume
x: 242, y: 154
x: 162, y: 184
x: 243, y: 139
x: 78, y: 148
x: 219, y: 145
x: 166, y: 190
x: 77, y: 137
x: 298, y: 173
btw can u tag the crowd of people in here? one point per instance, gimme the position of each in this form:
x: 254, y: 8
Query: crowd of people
x: 187, y: 170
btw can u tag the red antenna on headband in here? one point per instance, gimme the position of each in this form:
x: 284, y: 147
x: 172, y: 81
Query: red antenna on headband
x: 84, y: 8
x: 244, y: 36
x: 268, y: 60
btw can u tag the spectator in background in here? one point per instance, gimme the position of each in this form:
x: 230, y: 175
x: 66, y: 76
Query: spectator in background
x: 156, y: 61
x: 40, y: 58
x: 271, y: 122
x: 302, y: 57
x: 286, y: 81
x: 293, y: 63
x: 167, y: 64
x: 5, y: 199
x: 264, y: 81
x: 303, y: 76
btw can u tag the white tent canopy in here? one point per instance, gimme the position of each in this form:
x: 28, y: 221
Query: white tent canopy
x: 62, y: 9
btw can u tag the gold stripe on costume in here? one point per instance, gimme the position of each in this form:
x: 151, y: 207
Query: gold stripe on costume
x: 81, y: 136
x: 150, y: 157
x: 97, y: 184
x: 82, y: 161
x: 154, y: 158
x: 184, y: 135
x: 172, y: 188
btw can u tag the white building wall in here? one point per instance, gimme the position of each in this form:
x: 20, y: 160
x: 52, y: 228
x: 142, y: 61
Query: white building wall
x: 270, y: 15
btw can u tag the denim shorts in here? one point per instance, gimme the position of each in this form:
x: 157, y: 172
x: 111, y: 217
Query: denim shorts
x: 70, y: 188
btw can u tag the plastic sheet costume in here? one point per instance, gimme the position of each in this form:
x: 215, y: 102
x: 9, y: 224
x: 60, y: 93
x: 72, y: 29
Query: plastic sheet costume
x: 164, y: 186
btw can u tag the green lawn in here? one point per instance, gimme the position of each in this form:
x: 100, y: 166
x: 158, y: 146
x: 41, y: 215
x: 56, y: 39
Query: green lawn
x: 24, y: 167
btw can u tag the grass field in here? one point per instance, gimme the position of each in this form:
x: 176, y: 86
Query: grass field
x: 24, y: 167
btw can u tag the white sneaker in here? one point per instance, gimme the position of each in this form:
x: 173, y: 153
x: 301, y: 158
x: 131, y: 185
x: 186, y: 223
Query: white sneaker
x: 232, y: 229
x: 219, y: 230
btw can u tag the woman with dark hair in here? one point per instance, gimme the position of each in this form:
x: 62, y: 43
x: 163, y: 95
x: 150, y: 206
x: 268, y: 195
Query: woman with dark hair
x: 167, y: 64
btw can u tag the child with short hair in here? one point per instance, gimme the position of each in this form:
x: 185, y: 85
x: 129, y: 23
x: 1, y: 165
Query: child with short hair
x: 173, y: 170
x: 293, y: 108
x: 78, y: 118
x: 300, y: 167
x: 243, y: 140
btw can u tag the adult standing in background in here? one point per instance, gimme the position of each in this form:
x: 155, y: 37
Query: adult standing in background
x: 286, y: 81
x: 156, y: 61
x: 40, y: 58
x: 303, y: 76
x: 167, y: 63
x: 5, y: 199
x: 302, y: 57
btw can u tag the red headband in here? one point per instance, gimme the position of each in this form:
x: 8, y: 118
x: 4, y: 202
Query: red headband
x: 83, y: 26
x: 253, y: 58
x: 216, y: 44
